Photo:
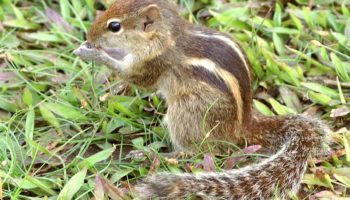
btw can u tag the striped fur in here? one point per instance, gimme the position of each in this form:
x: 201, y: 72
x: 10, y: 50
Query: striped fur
x: 205, y: 79
x: 229, y: 42
x: 203, y: 43
x: 230, y: 81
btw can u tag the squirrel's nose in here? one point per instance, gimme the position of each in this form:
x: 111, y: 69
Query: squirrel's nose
x: 89, y: 45
x: 85, y: 45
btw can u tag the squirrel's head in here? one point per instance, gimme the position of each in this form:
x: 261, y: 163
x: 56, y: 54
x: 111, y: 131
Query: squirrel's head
x: 129, y: 31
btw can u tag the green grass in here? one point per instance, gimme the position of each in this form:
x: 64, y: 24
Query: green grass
x: 63, y: 121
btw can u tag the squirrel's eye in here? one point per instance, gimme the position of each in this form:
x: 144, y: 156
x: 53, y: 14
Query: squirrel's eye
x: 114, y: 26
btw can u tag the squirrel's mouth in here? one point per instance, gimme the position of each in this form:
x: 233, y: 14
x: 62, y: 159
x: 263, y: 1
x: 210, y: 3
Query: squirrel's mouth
x: 116, y: 53
x: 86, y: 49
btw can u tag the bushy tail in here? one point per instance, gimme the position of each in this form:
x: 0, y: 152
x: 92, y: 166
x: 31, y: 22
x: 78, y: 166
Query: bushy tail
x: 297, y: 139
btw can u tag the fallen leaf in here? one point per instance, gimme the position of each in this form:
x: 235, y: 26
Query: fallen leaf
x: 317, y: 43
x: 2, y: 64
x: 154, y: 166
x: 343, y: 179
x: 320, y: 173
x: 5, y: 77
x: 99, y: 193
x: 52, y: 145
x: 312, y: 111
x: 251, y: 149
x: 188, y: 167
x: 112, y: 191
x: 60, y: 79
x: 311, y: 179
x: 56, y: 18
x: 126, y: 185
x: 104, y: 97
x: 208, y: 163
x: 84, y: 103
x: 340, y: 112
x: 9, y: 57
x: 198, y: 166
x: 232, y: 162
x: 172, y: 161
x: 329, y: 195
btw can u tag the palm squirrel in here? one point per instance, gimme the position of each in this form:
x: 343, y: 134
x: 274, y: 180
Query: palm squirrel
x: 205, y: 79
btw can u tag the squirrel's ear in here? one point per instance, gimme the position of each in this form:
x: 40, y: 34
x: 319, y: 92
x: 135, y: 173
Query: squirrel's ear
x: 150, y: 15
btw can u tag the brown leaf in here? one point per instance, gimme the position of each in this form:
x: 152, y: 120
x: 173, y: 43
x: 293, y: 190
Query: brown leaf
x: 340, y: 112
x: 104, y: 97
x: 188, y: 167
x: 56, y: 18
x: 154, y: 166
x: 329, y: 195
x: 84, y: 104
x: 112, y: 191
x: 4, y: 116
x: 52, y: 145
x: 320, y: 173
x: 126, y: 185
x: 251, y: 149
x: 311, y: 111
x: 5, y: 77
x: 172, y: 161
x: 208, y: 163
x: 198, y: 166
x: 2, y: 63
x: 232, y: 162
x: 337, y: 154
x: 290, y: 98
x: 99, y: 189
x: 60, y: 78
x: 9, y: 57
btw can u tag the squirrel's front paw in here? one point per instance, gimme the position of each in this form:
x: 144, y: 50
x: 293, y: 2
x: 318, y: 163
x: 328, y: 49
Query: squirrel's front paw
x: 116, y: 58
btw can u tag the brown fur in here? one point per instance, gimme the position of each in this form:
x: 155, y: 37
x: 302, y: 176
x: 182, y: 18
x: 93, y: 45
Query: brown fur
x: 208, y: 98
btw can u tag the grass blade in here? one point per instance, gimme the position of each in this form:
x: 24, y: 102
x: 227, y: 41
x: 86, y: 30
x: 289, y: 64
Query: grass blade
x: 73, y: 186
